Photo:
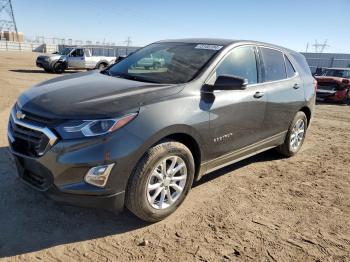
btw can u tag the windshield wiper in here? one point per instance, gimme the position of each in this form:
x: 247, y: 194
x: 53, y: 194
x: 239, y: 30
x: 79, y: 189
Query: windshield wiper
x: 136, y: 78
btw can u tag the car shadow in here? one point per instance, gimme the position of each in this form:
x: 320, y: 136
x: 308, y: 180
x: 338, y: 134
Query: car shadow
x: 30, y: 222
x: 36, y: 71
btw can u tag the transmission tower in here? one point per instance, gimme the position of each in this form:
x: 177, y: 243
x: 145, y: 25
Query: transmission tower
x: 319, y: 48
x: 7, y: 17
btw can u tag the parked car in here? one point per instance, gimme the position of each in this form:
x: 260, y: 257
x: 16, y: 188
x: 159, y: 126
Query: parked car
x: 139, y: 138
x: 151, y: 62
x: 334, y: 85
x: 73, y: 58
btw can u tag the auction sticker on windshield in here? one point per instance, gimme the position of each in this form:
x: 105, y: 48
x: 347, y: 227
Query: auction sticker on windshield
x: 208, y: 47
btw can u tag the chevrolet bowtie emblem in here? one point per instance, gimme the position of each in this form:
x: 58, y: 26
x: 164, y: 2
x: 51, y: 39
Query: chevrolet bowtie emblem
x: 20, y: 115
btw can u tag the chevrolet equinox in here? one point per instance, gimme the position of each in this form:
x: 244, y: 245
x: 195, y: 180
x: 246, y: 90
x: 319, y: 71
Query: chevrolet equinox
x: 138, y: 136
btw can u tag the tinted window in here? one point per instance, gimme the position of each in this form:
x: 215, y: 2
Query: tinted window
x: 240, y: 62
x: 274, y: 67
x: 289, y: 67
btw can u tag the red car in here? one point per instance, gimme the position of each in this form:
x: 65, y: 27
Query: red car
x: 334, y: 85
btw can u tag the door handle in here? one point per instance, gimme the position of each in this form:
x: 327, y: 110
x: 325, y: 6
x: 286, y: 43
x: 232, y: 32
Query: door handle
x: 258, y: 94
x: 296, y: 86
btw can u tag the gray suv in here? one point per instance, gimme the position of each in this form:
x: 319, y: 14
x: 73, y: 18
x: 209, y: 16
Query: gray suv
x: 138, y: 137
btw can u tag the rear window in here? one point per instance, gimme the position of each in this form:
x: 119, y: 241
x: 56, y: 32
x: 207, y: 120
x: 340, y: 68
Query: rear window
x: 274, y: 68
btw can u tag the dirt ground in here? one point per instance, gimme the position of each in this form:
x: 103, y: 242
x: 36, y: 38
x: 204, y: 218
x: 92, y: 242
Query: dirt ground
x: 265, y: 208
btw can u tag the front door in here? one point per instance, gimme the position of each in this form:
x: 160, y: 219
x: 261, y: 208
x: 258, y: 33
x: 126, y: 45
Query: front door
x: 237, y: 116
x: 76, y: 59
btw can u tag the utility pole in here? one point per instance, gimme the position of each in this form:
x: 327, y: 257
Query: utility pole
x: 128, y: 43
x: 7, y: 17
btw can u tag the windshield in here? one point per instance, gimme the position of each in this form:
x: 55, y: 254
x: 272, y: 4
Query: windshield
x: 337, y: 73
x: 65, y: 51
x: 164, y: 63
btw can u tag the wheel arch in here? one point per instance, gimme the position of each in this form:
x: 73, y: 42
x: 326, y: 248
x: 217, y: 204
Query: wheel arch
x: 101, y: 62
x: 184, y: 134
x: 307, y: 112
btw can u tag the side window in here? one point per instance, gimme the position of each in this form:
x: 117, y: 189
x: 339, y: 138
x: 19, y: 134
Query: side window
x: 78, y: 53
x: 289, y: 67
x: 240, y: 62
x: 274, y: 67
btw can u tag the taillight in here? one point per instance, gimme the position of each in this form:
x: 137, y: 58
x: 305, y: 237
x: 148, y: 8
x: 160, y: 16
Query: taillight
x: 315, y: 85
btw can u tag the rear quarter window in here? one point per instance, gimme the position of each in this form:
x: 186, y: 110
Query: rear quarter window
x: 301, y: 60
x: 289, y: 67
x: 273, y: 64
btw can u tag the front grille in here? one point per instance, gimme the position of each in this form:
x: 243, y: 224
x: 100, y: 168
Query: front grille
x: 35, y: 180
x: 28, y: 139
x: 34, y: 173
x: 327, y: 87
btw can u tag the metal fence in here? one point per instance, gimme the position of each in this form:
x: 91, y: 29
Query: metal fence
x: 103, y: 50
x: 96, y: 50
x: 23, y: 46
x: 325, y: 60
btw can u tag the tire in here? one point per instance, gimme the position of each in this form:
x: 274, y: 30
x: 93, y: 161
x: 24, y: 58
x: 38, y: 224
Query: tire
x: 102, y: 66
x: 156, y: 66
x: 59, y: 68
x: 287, y: 149
x: 47, y: 70
x: 138, y: 195
x: 347, y: 99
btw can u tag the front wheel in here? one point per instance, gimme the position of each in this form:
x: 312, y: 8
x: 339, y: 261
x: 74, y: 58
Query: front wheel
x: 160, y: 181
x: 59, y: 68
x: 295, y: 136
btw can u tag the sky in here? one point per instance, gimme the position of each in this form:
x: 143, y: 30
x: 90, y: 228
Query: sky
x: 289, y: 23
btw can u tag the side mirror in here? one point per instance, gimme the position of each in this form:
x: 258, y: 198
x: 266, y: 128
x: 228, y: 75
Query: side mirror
x: 229, y: 82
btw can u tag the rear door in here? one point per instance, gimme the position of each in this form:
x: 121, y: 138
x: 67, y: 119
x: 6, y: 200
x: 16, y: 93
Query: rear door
x: 236, y: 116
x: 285, y: 93
x: 76, y: 59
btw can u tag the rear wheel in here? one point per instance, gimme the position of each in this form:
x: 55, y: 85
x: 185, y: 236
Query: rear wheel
x: 160, y: 181
x: 59, y: 68
x: 102, y: 66
x: 295, y: 135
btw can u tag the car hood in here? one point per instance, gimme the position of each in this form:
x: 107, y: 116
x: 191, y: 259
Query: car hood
x: 330, y: 79
x: 51, y: 56
x: 91, y: 95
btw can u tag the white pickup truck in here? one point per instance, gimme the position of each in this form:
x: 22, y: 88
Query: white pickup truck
x: 72, y: 58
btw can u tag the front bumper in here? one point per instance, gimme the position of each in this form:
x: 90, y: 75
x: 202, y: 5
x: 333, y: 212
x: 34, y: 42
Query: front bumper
x: 41, y: 178
x: 43, y: 64
x: 331, y: 96
x: 61, y: 168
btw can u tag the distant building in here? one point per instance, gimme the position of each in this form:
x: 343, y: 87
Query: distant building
x: 12, y: 36
x: 325, y: 60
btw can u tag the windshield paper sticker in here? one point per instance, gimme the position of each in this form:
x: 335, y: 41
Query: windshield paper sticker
x: 208, y: 47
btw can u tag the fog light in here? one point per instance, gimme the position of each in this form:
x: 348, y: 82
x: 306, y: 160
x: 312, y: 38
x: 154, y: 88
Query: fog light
x: 98, y: 175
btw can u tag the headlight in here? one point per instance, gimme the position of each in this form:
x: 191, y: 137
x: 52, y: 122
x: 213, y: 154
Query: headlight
x: 90, y: 128
x: 47, y: 59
